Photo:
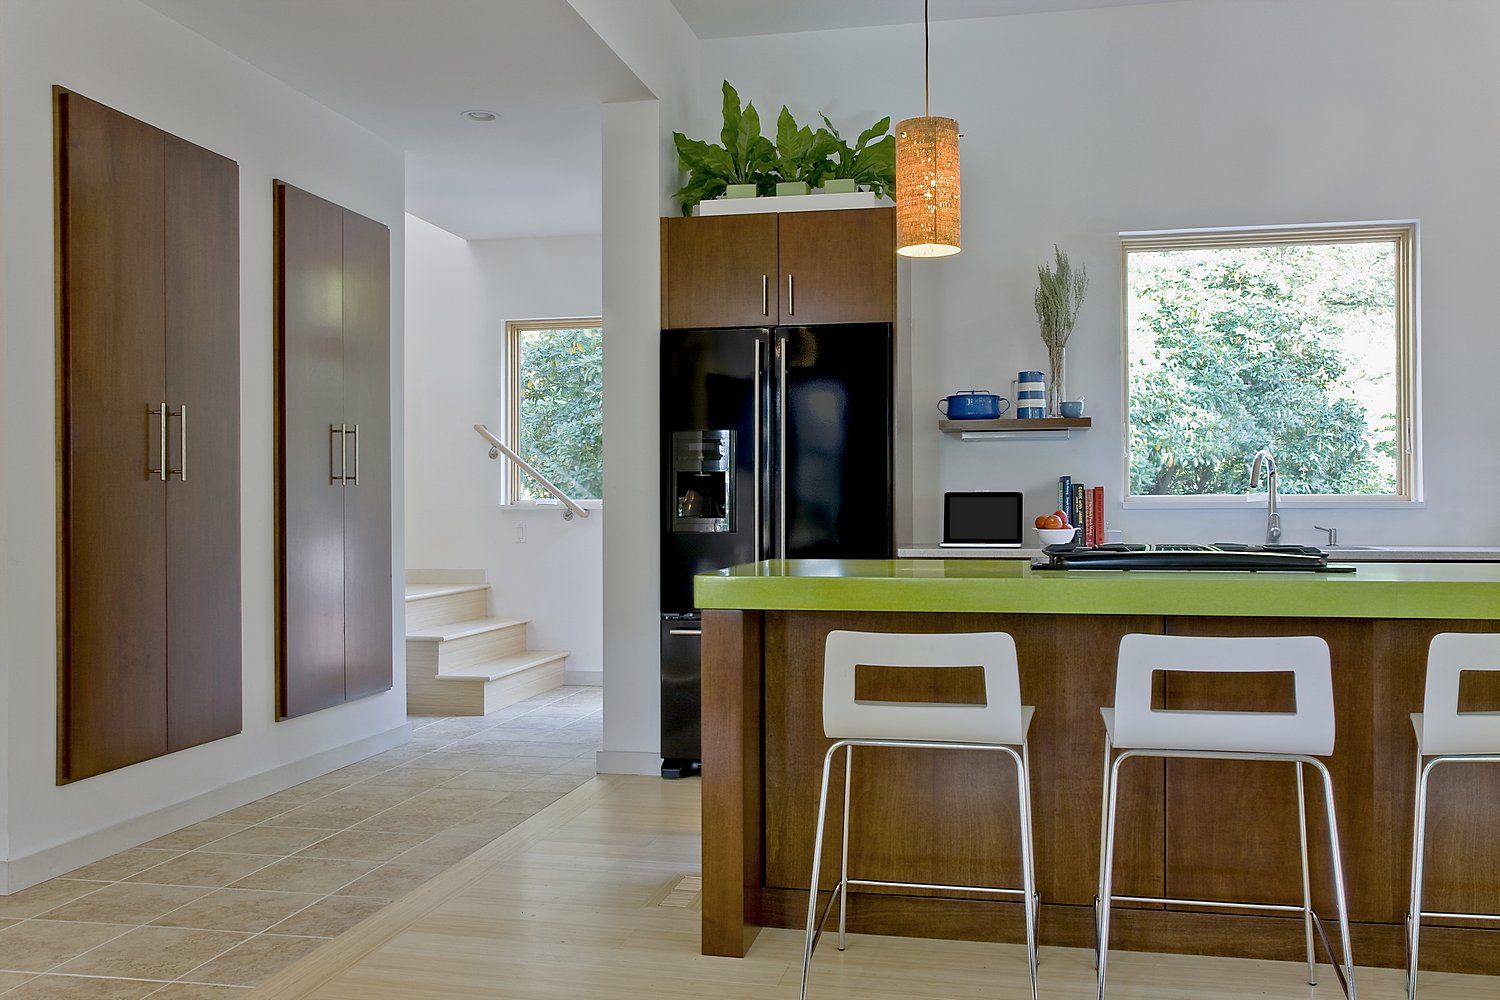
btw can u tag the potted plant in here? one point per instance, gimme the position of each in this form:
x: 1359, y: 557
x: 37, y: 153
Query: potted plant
x: 870, y: 163
x: 740, y: 168
x: 1059, y: 295
x: 802, y: 155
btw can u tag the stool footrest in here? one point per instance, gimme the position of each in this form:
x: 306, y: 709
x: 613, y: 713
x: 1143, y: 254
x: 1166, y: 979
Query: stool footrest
x: 1440, y: 915
x: 1213, y: 903
x: 937, y: 887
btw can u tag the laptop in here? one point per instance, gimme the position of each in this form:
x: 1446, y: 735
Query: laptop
x: 982, y: 519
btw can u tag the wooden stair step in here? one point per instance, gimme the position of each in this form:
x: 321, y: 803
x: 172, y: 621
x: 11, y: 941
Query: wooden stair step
x: 505, y: 666
x: 463, y: 629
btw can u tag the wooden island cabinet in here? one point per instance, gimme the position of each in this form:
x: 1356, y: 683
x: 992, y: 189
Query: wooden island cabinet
x: 1188, y: 829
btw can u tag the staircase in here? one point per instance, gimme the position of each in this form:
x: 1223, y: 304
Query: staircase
x: 460, y: 659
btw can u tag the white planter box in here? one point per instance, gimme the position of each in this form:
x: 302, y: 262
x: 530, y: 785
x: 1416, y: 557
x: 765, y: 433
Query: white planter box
x: 814, y: 202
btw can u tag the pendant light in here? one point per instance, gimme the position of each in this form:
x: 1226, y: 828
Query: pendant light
x: 927, y: 188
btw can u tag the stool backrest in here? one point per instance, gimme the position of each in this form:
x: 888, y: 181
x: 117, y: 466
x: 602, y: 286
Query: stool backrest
x: 1307, y: 730
x: 1446, y: 730
x: 998, y: 720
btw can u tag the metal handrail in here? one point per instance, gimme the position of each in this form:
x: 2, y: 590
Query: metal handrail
x: 498, y: 448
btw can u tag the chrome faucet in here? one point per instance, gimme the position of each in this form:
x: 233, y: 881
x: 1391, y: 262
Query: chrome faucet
x: 1264, y: 458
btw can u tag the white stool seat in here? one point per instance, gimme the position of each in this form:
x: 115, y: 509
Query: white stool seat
x: 1133, y: 728
x: 1446, y: 736
x: 1000, y: 723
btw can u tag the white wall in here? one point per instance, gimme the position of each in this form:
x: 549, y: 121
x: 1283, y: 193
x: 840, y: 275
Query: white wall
x: 459, y: 297
x: 134, y: 59
x: 1083, y: 124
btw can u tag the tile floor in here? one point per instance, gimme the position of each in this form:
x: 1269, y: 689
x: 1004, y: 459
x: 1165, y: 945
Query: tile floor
x: 218, y: 907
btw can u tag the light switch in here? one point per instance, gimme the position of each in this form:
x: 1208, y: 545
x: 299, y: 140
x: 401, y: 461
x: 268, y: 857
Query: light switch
x: 521, y: 533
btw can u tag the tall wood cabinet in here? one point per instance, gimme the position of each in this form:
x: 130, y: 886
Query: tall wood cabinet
x: 333, y: 483
x: 779, y: 269
x: 148, y: 441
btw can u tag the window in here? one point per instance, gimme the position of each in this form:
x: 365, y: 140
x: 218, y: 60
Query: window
x: 1301, y: 340
x: 554, y: 407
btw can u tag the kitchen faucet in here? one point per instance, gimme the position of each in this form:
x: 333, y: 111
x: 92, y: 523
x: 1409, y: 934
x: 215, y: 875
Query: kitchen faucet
x: 1264, y: 458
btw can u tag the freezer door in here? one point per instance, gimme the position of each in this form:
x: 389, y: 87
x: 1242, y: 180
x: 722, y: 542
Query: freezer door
x: 714, y: 401
x: 835, y: 442
x: 681, y: 645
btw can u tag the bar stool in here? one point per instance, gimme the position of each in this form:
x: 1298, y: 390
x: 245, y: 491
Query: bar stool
x: 1133, y: 729
x: 1447, y: 736
x: 1000, y: 724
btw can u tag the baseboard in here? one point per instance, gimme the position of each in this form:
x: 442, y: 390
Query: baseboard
x: 584, y: 678
x: 627, y: 762
x: 20, y: 873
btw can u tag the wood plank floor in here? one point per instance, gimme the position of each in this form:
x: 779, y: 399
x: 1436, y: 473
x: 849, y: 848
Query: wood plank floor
x: 587, y: 899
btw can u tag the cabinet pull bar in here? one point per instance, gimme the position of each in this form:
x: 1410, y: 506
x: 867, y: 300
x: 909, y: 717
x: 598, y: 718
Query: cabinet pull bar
x: 356, y: 454
x: 791, y: 298
x: 160, y: 471
x: 333, y: 432
x: 684, y: 631
x: 765, y: 295
x: 181, y: 471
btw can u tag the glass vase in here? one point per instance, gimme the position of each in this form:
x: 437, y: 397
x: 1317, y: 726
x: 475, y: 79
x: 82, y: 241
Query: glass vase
x: 1057, y: 384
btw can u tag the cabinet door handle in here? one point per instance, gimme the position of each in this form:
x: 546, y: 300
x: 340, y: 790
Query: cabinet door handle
x: 356, y: 454
x: 791, y: 298
x: 181, y: 471
x: 335, y: 431
x: 765, y: 295
x: 160, y: 412
x: 684, y: 631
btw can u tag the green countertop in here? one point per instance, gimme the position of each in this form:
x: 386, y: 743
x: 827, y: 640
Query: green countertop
x: 1376, y: 590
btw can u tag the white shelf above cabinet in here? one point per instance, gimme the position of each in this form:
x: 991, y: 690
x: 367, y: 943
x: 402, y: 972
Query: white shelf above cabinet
x: 814, y: 202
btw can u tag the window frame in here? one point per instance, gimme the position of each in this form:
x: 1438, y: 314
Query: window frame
x: 510, y: 423
x: 1405, y: 234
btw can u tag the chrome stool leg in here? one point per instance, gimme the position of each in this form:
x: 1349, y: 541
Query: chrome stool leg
x: 1107, y: 863
x: 812, y: 895
x: 1342, y: 897
x: 1419, y: 842
x: 844, y: 860
x: 1103, y: 837
x: 1030, y: 848
x: 1028, y: 869
x: 1307, y: 906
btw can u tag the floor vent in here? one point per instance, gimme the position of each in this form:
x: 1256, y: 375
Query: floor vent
x: 685, y: 893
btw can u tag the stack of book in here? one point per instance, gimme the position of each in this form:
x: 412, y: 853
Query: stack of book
x: 1084, y: 506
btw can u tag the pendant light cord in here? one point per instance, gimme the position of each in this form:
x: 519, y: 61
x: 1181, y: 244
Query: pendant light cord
x: 926, y: 61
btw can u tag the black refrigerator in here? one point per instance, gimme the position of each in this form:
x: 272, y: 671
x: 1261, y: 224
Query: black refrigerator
x: 776, y: 443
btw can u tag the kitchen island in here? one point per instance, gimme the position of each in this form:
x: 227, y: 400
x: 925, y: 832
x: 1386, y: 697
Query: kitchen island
x: 1189, y: 829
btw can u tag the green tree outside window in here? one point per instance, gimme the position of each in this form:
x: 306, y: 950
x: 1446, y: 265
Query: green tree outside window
x: 559, y: 379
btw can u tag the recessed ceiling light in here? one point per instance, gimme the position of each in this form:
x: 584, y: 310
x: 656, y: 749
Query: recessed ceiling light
x: 480, y: 115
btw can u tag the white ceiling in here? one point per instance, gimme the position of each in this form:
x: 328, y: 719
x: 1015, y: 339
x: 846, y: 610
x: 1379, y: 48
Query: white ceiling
x: 733, y: 18
x: 405, y: 70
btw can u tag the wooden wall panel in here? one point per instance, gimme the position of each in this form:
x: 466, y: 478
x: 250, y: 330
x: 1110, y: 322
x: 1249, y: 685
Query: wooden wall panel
x: 203, y: 497
x: 310, y: 500
x: 112, y: 586
x: 368, y: 639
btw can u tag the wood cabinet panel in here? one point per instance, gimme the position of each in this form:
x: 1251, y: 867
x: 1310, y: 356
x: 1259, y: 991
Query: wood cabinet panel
x: 721, y: 272
x: 837, y: 267
x: 203, y: 497
x: 367, y: 496
x: 311, y: 452
x: 112, y: 527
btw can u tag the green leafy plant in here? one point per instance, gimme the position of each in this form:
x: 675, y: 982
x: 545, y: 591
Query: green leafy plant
x: 870, y: 162
x: 745, y: 156
x: 801, y: 153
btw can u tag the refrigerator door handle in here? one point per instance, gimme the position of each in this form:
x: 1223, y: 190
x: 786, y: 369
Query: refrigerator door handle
x: 755, y: 453
x: 781, y: 446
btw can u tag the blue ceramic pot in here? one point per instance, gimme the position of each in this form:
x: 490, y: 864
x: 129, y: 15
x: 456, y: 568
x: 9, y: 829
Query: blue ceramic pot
x: 973, y: 404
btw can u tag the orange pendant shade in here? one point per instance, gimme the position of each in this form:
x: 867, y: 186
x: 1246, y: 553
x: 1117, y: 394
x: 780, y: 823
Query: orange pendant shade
x: 927, y: 187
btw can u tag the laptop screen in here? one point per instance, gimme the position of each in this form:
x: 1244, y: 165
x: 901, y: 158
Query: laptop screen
x: 982, y: 518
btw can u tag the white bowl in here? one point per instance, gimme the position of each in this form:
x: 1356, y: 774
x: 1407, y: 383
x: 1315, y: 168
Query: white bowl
x: 1055, y: 536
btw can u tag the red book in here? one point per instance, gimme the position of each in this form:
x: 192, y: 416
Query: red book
x: 1098, y: 519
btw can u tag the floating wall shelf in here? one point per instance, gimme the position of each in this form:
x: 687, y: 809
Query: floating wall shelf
x: 1039, y: 429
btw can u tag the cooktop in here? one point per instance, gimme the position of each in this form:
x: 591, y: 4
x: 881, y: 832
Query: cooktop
x: 1222, y: 556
